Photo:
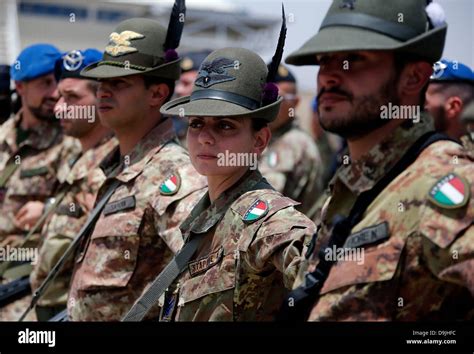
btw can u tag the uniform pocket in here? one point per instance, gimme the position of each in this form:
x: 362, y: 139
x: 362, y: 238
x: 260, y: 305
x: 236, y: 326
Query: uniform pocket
x: 111, y: 256
x: 33, y: 181
x: 378, y: 263
x: 209, y: 296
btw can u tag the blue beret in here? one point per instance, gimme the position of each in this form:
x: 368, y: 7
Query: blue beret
x: 70, y: 64
x: 451, y: 71
x: 34, y: 61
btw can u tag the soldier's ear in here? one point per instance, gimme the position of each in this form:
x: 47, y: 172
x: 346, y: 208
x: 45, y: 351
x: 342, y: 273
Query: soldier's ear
x: 158, y: 94
x: 20, y: 87
x: 453, y: 107
x: 262, y: 138
x: 413, y: 78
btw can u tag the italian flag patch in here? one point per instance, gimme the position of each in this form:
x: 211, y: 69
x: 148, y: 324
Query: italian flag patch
x: 170, y: 185
x: 450, y: 192
x: 256, y: 211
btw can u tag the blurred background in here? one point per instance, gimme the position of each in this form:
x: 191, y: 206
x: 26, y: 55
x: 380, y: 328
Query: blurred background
x: 210, y: 24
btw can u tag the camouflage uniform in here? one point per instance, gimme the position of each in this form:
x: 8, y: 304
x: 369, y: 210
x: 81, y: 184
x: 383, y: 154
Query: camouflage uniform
x: 467, y: 118
x: 85, y: 178
x: 137, y: 233
x: 42, y: 154
x: 420, y: 264
x: 468, y: 144
x: 242, y: 269
x: 292, y: 165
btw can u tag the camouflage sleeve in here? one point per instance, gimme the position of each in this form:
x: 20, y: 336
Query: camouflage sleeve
x: 277, y: 163
x: 449, y: 241
x: 171, y: 210
x: 461, y: 271
x: 278, y: 244
x: 7, y: 225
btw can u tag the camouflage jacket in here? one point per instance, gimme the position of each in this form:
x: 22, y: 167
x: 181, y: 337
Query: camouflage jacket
x: 247, y: 260
x: 137, y: 232
x: 292, y: 165
x: 39, y: 158
x: 84, y: 178
x: 411, y: 255
x: 468, y: 144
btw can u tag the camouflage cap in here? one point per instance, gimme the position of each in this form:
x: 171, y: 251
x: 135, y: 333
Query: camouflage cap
x: 396, y: 25
x: 230, y: 83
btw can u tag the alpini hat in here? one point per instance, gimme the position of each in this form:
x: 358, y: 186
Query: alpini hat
x: 142, y: 46
x: 233, y: 82
x: 415, y: 27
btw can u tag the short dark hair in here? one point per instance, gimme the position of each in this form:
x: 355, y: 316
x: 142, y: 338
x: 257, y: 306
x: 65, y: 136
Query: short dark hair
x: 464, y: 90
x: 151, y: 80
x: 258, y: 124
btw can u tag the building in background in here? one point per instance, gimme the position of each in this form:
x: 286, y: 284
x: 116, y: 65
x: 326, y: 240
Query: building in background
x: 210, y: 24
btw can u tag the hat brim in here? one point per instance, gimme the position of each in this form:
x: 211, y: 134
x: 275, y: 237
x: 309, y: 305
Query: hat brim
x: 184, y: 107
x: 346, y: 38
x: 101, y: 70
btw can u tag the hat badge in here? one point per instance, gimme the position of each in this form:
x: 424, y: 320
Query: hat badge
x: 73, y: 60
x: 215, y: 72
x: 438, y: 69
x: 120, y: 43
x: 348, y: 4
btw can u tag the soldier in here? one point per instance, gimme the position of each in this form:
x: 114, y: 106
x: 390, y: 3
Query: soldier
x: 136, y: 233
x: 244, y: 239
x: 450, y: 91
x: 467, y: 118
x: 292, y: 162
x: 396, y: 240
x: 76, y: 109
x: 31, y: 144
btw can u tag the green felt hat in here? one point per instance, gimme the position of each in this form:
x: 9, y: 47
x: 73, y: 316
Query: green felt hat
x: 142, y: 46
x: 233, y: 82
x: 395, y: 25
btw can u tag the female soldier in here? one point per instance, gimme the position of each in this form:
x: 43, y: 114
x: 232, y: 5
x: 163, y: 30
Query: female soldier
x: 250, y: 236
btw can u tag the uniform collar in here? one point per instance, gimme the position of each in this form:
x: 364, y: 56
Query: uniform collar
x: 41, y: 137
x: 115, y: 165
x: 363, y: 174
x: 82, y: 165
x: 205, y: 215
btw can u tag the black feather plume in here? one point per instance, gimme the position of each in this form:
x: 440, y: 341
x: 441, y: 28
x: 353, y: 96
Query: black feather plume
x: 176, y: 25
x: 273, y: 68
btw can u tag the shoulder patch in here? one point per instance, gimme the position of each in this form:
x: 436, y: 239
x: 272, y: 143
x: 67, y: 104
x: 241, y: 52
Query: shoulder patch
x: 450, y: 192
x: 170, y: 185
x: 257, y: 210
